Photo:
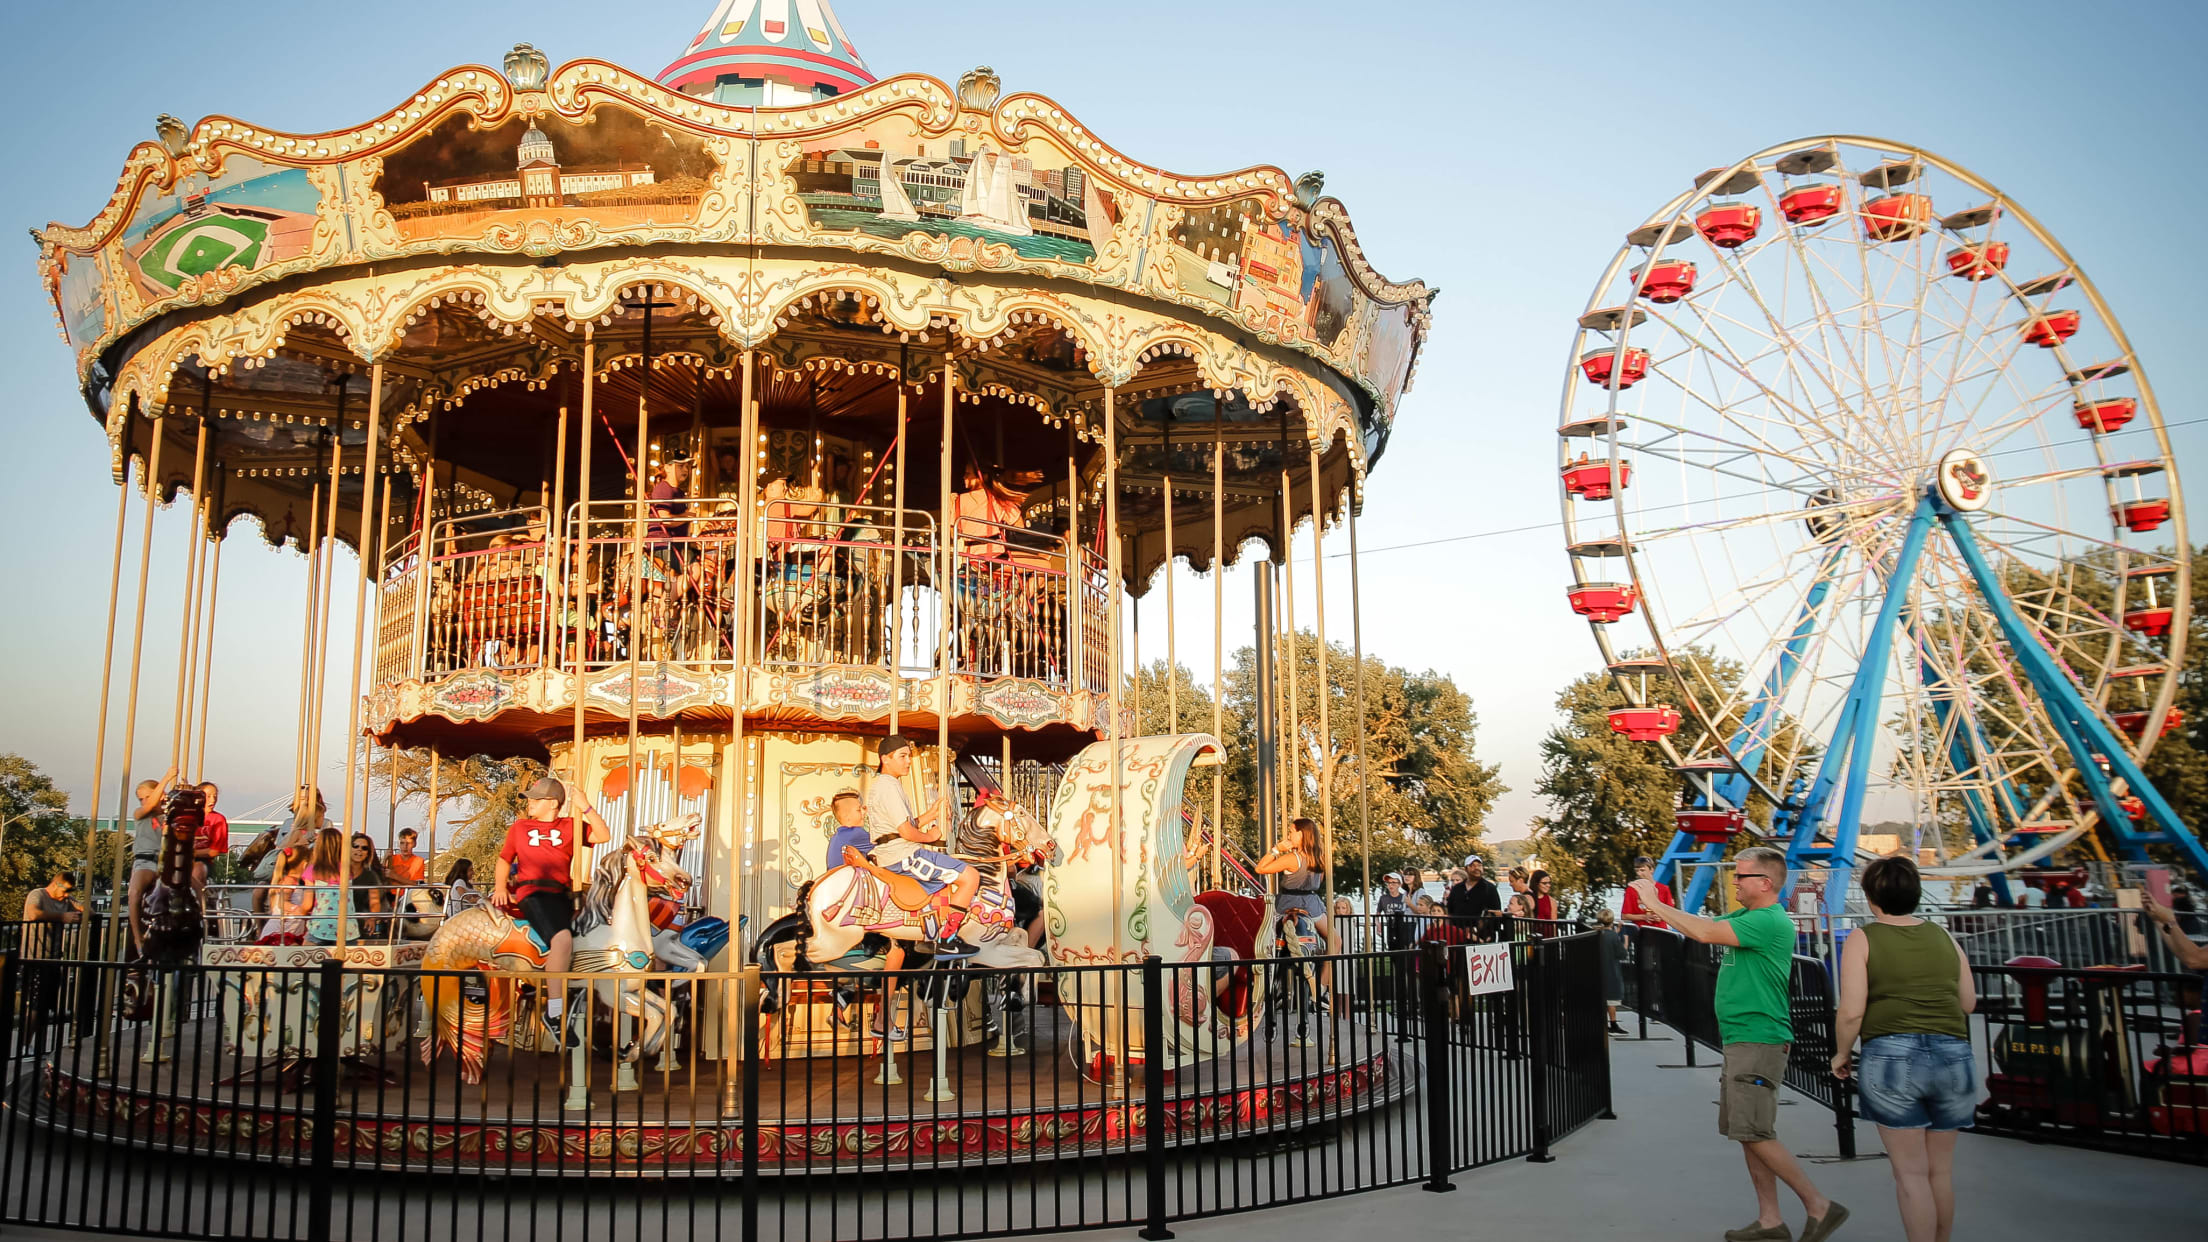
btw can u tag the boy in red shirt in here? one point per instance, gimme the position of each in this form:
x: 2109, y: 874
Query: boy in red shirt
x: 1635, y: 914
x: 534, y: 867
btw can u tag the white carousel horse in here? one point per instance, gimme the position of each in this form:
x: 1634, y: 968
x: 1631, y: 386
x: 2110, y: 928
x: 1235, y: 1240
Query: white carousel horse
x: 613, y: 933
x: 850, y: 902
x: 837, y: 912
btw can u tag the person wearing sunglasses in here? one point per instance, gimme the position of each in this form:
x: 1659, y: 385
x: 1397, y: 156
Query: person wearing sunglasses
x: 1755, y: 1023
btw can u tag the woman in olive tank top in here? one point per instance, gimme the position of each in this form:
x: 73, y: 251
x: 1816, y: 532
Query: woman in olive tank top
x: 1905, y: 987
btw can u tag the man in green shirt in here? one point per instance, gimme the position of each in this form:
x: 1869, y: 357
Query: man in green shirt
x: 1755, y: 1021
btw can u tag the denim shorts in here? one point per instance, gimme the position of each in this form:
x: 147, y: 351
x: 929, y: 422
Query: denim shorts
x: 1917, y: 1082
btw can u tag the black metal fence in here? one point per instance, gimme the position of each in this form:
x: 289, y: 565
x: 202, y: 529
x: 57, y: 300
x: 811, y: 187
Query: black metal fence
x: 285, y: 1102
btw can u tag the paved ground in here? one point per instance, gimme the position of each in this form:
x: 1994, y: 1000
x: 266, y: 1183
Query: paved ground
x: 1660, y: 1173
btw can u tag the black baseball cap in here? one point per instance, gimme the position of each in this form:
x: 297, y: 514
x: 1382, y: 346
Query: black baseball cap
x: 894, y: 743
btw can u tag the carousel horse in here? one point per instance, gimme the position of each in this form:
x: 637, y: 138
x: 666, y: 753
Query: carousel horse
x: 170, y: 909
x: 613, y: 934
x: 857, y: 902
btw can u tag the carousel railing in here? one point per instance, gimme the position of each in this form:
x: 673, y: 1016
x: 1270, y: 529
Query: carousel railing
x: 1092, y: 636
x: 489, y: 581
x: 398, y: 612
x: 831, y: 588
x: 686, y: 613
x: 273, y: 914
x: 1013, y: 609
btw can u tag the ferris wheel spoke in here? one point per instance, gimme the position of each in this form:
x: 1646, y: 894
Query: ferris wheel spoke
x: 1678, y: 445
x: 1860, y: 513
x: 1712, y: 344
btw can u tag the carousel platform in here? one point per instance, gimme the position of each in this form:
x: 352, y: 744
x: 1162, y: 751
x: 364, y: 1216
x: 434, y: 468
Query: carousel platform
x: 534, y: 1115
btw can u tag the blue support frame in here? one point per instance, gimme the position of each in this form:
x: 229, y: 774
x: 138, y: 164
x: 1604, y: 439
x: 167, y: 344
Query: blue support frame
x: 2081, y: 727
x: 1846, y: 761
x: 1750, y: 743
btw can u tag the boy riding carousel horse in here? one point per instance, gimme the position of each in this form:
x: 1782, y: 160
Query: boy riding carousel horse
x: 536, y: 867
x: 901, y: 846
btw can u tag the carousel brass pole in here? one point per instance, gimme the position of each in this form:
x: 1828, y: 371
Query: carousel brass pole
x: 1218, y: 629
x: 1292, y: 720
x: 1111, y: 647
x: 747, y: 597
x: 584, y: 571
x: 897, y: 541
x: 207, y: 661
x: 555, y: 571
x: 425, y: 553
x: 636, y: 567
x: 124, y: 807
x: 353, y: 713
x: 431, y: 857
x: 1132, y: 558
x: 1364, y: 765
x: 322, y: 618
x: 1324, y: 763
x: 99, y: 731
x: 1172, y: 656
x: 372, y: 582
x: 1076, y: 648
x: 313, y: 549
x: 187, y: 622
x: 948, y: 585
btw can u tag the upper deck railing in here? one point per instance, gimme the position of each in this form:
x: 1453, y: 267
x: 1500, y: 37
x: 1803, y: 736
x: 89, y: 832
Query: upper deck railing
x: 834, y: 586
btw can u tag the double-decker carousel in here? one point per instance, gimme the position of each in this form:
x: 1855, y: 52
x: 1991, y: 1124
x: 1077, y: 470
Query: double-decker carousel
x: 694, y: 434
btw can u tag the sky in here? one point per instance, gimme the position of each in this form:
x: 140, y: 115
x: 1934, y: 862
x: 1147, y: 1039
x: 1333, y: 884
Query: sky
x: 1496, y: 151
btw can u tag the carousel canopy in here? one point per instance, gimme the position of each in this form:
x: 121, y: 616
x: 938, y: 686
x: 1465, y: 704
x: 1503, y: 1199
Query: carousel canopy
x: 772, y: 53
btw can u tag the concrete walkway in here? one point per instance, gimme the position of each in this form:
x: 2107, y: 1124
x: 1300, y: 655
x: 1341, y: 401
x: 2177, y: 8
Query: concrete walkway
x: 1660, y: 1173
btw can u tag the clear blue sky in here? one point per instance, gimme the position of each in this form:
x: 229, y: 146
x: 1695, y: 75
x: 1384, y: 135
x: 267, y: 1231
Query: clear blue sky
x: 1496, y: 150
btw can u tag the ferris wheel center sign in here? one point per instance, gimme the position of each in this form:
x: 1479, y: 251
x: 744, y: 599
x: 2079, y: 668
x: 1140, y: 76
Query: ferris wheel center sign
x: 1965, y: 483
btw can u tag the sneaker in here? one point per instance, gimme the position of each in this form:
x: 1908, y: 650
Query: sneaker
x: 1615, y: 1029
x: 1822, y: 1227
x: 558, y: 1031
x: 1753, y: 1232
x: 952, y: 946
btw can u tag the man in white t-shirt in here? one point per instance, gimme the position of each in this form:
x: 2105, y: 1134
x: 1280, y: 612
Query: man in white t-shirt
x: 902, y: 838
x: 2032, y: 898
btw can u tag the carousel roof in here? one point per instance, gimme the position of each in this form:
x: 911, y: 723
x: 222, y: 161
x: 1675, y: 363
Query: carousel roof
x: 798, y: 42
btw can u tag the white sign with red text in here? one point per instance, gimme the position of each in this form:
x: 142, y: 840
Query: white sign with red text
x: 1486, y: 968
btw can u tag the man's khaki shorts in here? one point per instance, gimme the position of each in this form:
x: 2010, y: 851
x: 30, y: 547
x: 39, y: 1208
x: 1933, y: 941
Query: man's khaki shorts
x: 1748, y: 1092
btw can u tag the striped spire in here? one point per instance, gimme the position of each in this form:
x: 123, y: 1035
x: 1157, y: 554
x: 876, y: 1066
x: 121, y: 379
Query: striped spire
x: 772, y: 53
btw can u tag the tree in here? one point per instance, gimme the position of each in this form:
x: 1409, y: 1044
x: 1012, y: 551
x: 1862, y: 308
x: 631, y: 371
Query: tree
x: 1428, y: 792
x: 488, y: 791
x: 41, y: 837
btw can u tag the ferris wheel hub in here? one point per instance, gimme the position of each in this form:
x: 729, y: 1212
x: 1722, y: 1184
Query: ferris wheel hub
x: 1964, y: 480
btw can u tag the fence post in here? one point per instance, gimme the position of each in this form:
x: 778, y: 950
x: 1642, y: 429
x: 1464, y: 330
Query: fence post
x: 329, y: 1025
x: 10, y: 962
x: 1640, y: 968
x: 1537, y: 1023
x: 1601, y: 1043
x: 1153, y: 1094
x: 747, y: 1061
x: 1433, y: 990
x: 1843, y: 1103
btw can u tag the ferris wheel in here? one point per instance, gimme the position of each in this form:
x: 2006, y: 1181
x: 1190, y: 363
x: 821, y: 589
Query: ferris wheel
x: 1875, y: 520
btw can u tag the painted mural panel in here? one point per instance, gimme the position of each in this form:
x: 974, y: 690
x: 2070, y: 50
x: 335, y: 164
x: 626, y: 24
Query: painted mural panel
x: 886, y: 179
x: 617, y: 168
x: 81, y: 296
x: 248, y: 216
x: 1255, y: 264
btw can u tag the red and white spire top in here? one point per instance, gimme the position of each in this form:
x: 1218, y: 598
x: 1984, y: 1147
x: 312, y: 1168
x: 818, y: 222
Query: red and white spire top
x: 769, y: 52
